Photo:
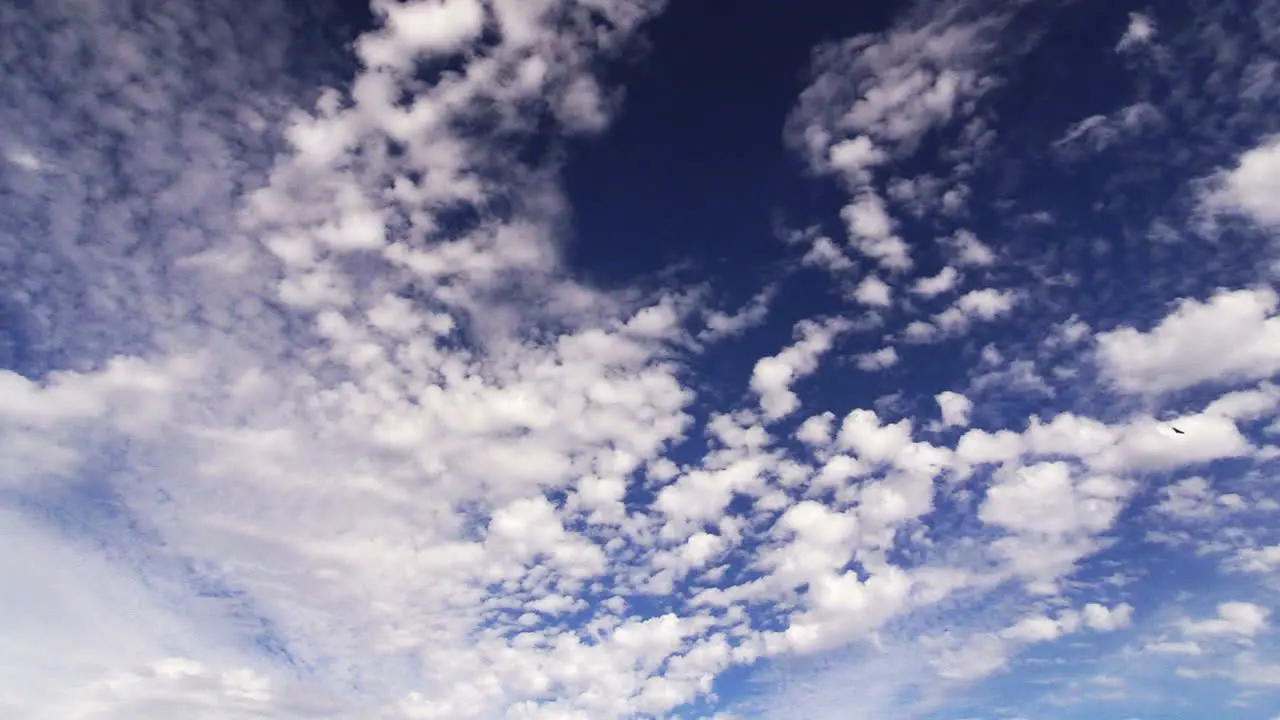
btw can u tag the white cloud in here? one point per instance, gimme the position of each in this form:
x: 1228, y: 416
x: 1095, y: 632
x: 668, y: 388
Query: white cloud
x: 955, y: 408
x: 871, y: 232
x: 772, y: 377
x: 1257, y: 560
x: 1260, y: 402
x: 1046, y: 499
x: 882, y: 359
x: 976, y: 305
x: 1097, y: 133
x: 410, y: 457
x: 874, y: 292
x: 1019, y: 375
x: 1250, y: 188
x: 1104, y: 619
x: 862, y: 431
x: 987, y: 304
x: 1041, y: 628
x: 1140, y: 32
x: 1240, y: 619
x: 723, y: 325
x: 419, y: 28
x: 825, y: 254
x: 1232, y: 336
x: 968, y: 251
x: 855, y: 158
x: 1192, y: 498
x: 1035, y: 629
x: 943, y: 282
x: 893, y: 88
x: 816, y: 430
x: 369, y: 484
x: 919, y: 331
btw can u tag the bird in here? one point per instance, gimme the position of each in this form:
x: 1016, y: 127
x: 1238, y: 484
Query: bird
x: 1176, y: 430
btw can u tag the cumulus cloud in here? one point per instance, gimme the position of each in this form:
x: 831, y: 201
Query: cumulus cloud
x: 723, y: 325
x: 1192, y: 497
x: 772, y: 377
x: 1233, y: 335
x: 874, y: 292
x: 871, y: 232
x: 955, y: 408
x: 974, y: 306
x: 1258, y: 560
x: 1094, y: 616
x: 1240, y: 619
x: 1046, y: 499
x: 968, y: 250
x: 943, y: 282
x: 882, y: 359
x: 1250, y: 187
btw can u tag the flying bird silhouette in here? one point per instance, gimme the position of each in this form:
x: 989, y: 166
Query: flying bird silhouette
x: 1177, y: 430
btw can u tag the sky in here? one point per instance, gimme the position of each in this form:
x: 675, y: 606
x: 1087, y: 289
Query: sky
x: 603, y: 359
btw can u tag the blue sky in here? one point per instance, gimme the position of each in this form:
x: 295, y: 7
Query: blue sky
x: 498, y: 359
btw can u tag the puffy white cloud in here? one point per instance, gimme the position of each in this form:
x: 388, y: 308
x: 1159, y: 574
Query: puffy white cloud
x: 855, y: 158
x: 919, y: 331
x: 862, y: 431
x: 816, y: 431
x: 1240, y: 619
x: 968, y: 251
x: 1192, y: 498
x: 1257, y: 560
x: 1103, y: 619
x: 417, y: 29
x: 977, y: 305
x: 773, y: 376
x: 1046, y: 499
x: 1232, y: 336
x: 1041, y: 628
x: 882, y: 359
x: 874, y: 292
x: 986, y: 305
x: 1019, y: 375
x: 722, y: 325
x: 871, y: 231
x: 978, y: 447
x: 892, y: 88
x: 1260, y: 402
x: 841, y: 606
x: 1250, y: 188
x: 943, y: 282
x: 955, y: 408
x: 1036, y: 628
x: 1149, y: 445
x: 826, y: 254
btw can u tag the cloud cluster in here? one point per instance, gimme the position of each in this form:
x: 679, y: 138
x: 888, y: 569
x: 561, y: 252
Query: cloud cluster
x: 329, y: 427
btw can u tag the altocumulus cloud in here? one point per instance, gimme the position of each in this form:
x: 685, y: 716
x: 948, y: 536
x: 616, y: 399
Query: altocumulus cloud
x: 304, y: 413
